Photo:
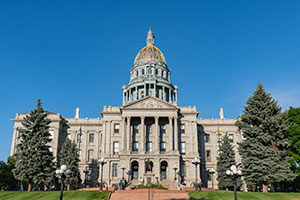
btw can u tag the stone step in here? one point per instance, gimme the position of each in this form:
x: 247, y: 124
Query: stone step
x: 155, y: 194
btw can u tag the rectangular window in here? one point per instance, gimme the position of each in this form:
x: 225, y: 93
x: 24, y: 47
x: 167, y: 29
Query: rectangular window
x: 116, y: 148
x: 163, y: 146
x: 149, y: 147
x: 115, y: 170
x: 162, y: 128
x: 208, y: 156
x: 182, y: 129
x: 79, y: 137
x: 116, y: 128
x: 148, y: 129
x: 182, y: 147
x: 135, y: 129
x: 91, y: 137
x: 135, y: 146
x: 206, y: 138
x: 230, y: 138
x: 90, y: 155
x: 51, y: 134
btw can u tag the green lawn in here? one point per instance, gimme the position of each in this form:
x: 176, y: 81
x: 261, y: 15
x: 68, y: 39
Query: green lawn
x: 54, y: 195
x: 228, y: 195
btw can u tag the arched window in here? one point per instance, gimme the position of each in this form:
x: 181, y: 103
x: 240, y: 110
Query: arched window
x: 143, y: 71
x: 156, y: 71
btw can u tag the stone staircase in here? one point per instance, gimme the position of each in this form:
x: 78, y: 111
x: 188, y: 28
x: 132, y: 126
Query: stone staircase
x: 133, y: 184
x: 168, y: 184
x: 145, y: 194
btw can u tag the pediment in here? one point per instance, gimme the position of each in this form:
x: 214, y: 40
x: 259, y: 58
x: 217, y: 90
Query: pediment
x: 150, y: 102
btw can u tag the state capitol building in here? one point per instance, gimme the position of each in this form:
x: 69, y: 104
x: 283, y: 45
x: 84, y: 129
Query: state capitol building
x: 149, y: 138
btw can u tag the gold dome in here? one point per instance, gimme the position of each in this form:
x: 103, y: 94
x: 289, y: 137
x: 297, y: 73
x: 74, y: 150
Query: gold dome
x: 148, y: 52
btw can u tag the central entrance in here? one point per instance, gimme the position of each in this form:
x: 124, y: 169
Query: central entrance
x: 163, y: 170
x: 135, y: 170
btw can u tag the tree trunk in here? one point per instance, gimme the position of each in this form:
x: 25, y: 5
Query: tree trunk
x: 29, y: 187
x: 265, y: 186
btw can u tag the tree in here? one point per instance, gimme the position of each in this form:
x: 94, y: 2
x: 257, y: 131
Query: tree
x: 293, y: 120
x: 265, y: 144
x: 226, y: 159
x: 34, y: 160
x: 69, y: 156
x: 7, y: 179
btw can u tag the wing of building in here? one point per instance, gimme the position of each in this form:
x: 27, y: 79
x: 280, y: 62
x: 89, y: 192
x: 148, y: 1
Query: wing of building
x: 149, y: 139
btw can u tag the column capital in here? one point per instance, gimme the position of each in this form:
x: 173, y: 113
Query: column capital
x: 171, y: 117
x: 156, y: 117
x: 142, y: 117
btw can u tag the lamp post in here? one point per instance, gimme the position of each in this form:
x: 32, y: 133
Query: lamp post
x: 175, y: 169
x: 101, y: 162
x: 234, y: 173
x: 62, y: 173
x: 85, y: 171
x: 212, y: 171
x: 196, y: 161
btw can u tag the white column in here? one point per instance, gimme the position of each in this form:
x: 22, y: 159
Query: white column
x: 136, y: 94
x: 123, y: 96
x: 191, y: 138
x: 108, y: 150
x: 176, y: 134
x: 123, y: 135
x: 128, y: 134
x: 195, y: 133
x: 170, y: 134
x: 154, y: 89
x: 142, y: 134
x: 156, y: 144
x: 103, y: 138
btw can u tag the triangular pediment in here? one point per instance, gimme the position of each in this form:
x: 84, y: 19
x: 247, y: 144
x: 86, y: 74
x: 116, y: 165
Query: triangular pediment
x: 149, y: 102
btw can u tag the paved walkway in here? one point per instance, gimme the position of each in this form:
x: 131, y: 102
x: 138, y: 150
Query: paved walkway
x: 155, y: 194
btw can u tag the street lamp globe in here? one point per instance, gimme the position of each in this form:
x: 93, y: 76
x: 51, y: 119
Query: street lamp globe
x: 68, y: 171
x: 233, y: 167
x: 63, y: 167
x: 228, y: 172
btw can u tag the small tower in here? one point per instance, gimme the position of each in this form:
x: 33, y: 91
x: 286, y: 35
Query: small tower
x: 77, y: 113
x: 150, y: 37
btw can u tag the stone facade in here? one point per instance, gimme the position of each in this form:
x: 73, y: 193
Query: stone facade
x: 149, y: 136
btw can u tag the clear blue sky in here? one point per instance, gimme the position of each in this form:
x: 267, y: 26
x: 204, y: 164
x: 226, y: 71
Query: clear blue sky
x: 79, y: 53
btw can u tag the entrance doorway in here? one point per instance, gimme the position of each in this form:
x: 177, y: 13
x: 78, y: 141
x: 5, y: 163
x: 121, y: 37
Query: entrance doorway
x: 163, y: 170
x: 135, y: 170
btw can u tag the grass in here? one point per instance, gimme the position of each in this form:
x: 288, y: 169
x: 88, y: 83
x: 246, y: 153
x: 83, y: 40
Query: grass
x: 228, y: 195
x: 54, y: 195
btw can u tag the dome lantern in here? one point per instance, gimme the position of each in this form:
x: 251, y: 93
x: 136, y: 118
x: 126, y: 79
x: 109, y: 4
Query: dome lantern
x: 150, y: 37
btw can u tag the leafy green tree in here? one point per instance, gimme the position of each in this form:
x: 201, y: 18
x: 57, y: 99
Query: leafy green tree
x: 7, y: 179
x: 69, y: 156
x: 265, y: 145
x: 293, y: 119
x: 226, y: 159
x: 34, y: 160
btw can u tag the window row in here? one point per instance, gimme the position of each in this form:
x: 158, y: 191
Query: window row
x: 207, y: 137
